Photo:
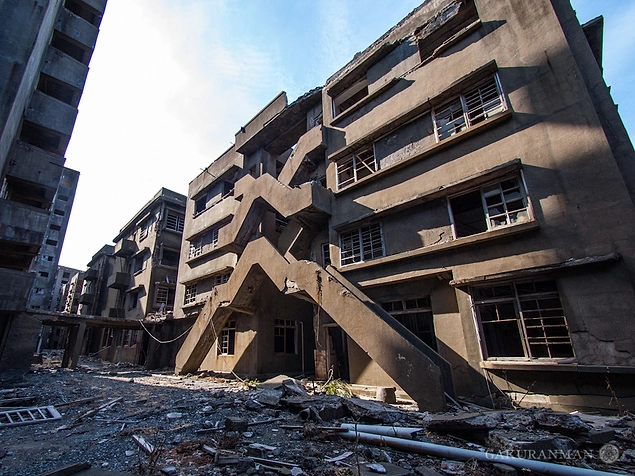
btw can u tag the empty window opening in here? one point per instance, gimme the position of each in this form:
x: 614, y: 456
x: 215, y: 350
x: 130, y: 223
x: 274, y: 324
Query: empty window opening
x: 51, y: 242
x: 144, y: 229
x: 227, y: 339
x: 169, y: 257
x: 523, y: 320
x: 39, y: 137
x: 83, y: 12
x: 55, y: 227
x: 58, y: 90
x: 361, y: 244
x: 134, y: 299
x: 220, y: 279
x: 492, y: 206
x: 43, y: 274
x: 469, y: 109
x: 190, y: 294
x: 356, y: 167
x: 416, y: 316
x: 28, y: 193
x: 174, y: 222
x: 66, y: 45
x: 281, y: 223
x: 284, y: 336
x: 63, y: 198
x: 350, y: 96
x: 59, y: 212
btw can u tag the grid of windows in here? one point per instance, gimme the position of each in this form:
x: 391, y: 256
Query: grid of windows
x: 356, y: 167
x: 208, y: 240
x: 491, y: 206
x: 221, y: 279
x: 284, y: 336
x: 227, y: 339
x: 190, y: 294
x: 522, y: 319
x: 174, y: 222
x: 361, y: 244
x: 326, y: 254
x: 470, y: 108
x: 416, y: 316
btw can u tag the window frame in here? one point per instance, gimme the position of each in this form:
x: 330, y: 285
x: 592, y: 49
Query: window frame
x: 356, y: 162
x: 467, y: 121
x: 422, y: 305
x: 485, y: 207
x: 189, y: 296
x: 282, y: 328
x: 227, y: 339
x: 162, y: 296
x: 174, y: 222
x: 357, y: 90
x: 520, y: 319
x: 362, y: 254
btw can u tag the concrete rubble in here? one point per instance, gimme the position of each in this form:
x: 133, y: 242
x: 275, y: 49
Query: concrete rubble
x: 122, y: 419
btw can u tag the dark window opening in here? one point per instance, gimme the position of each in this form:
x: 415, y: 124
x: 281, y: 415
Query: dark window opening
x: 416, y: 316
x: 63, y: 43
x: 51, y: 242
x: 170, y: 257
x: 83, y: 12
x: 41, y: 138
x: 350, y: 96
x: 284, y: 336
x: 59, y: 212
x: 43, y: 274
x: 227, y: 339
x: 27, y: 193
x: 58, y: 90
x: 55, y: 227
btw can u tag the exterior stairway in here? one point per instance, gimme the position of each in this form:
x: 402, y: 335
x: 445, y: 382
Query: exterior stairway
x: 413, y: 365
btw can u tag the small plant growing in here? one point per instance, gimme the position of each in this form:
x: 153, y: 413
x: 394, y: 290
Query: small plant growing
x: 337, y: 387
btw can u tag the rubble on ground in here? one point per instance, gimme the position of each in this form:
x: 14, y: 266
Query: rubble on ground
x: 122, y: 418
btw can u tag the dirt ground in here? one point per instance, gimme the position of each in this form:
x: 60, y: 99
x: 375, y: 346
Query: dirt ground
x: 182, y: 418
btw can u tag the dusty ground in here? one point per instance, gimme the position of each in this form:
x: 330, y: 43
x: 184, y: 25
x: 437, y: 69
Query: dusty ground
x: 179, y: 415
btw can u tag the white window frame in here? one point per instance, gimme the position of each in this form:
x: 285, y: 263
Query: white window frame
x: 362, y: 244
x: 227, y: 333
x: 357, y: 165
x: 527, y: 210
x: 162, y: 295
x: 189, y: 296
x: 460, y: 109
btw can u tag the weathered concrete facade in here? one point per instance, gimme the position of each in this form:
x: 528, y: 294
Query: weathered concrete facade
x: 45, y: 48
x: 453, y: 215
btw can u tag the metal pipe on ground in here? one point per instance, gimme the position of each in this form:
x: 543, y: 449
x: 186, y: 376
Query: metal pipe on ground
x: 461, y: 454
x: 396, y: 431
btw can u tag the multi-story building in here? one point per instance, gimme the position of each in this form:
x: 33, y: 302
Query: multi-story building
x: 44, y: 266
x: 63, y: 276
x: 136, y: 278
x: 452, y: 213
x: 45, y: 48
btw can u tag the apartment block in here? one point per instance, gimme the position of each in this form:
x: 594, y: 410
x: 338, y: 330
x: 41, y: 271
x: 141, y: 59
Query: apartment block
x: 450, y: 214
x: 45, y: 50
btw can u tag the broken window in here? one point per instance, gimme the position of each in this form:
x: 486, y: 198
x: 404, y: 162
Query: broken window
x: 144, y: 229
x: 492, y: 206
x: 349, y: 96
x: 469, y: 109
x: 203, y: 243
x: 326, y: 254
x: 220, y: 279
x: 190, y: 294
x: 174, y: 222
x: 164, y: 296
x: 361, y: 244
x: 284, y: 336
x: 226, y: 341
x: 416, y: 316
x: 356, y: 167
x: 134, y: 299
x: 522, y: 319
x: 169, y: 257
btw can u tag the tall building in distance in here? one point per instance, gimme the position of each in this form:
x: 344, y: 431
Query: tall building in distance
x: 451, y: 214
x: 45, y: 49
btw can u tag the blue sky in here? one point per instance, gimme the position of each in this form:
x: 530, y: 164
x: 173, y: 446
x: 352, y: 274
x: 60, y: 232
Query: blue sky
x: 171, y: 81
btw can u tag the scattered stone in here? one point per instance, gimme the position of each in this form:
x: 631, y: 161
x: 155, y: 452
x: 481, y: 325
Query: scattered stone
x: 534, y: 445
x: 169, y: 470
x: 294, y: 388
x: 560, y: 422
x: 174, y: 415
x: 376, y: 468
x: 236, y: 424
x: 130, y: 453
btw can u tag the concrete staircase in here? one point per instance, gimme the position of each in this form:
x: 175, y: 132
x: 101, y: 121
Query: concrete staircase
x: 406, y: 359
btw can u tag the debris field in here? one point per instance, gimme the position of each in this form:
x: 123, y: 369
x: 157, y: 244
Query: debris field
x: 122, y: 419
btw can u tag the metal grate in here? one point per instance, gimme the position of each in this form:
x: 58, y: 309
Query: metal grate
x: 25, y: 416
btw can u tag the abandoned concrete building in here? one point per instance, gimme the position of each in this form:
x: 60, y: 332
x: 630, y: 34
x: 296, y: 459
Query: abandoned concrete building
x: 45, y: 50
x: 451, y: 214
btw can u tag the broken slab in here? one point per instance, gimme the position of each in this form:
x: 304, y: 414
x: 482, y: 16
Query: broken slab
x: 465, y: 422
x: 532, y: 445
x: 372, y: 411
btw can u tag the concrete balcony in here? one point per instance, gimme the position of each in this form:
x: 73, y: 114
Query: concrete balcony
x: 77, y: 28
x: 68, y: 70
x: 206, y: 267
x: 125, y: 248
x: 21, y: 223
x: 51, y: 114
x: 91, y: 274
x: 87, y: 298
x: 35, y: 165
x: 220, y: 211
x: 119, y: 281
x: 15, y: 287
